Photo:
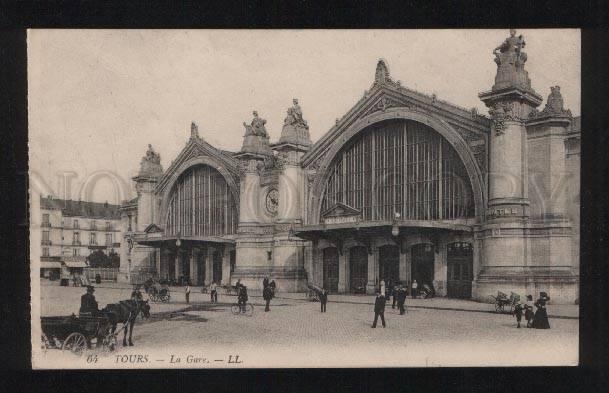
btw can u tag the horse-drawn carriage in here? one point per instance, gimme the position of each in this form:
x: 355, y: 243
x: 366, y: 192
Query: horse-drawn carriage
x: 156, y: 291
x: 503, y: 302
x: 77, y: 334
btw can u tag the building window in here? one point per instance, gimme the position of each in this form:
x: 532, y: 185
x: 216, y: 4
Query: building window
x: 201, y: 204
x: 93, y: 226
x: 76, y: 239
x: 75, y: 224
x: 93, y: 238
x: 400, y: 167
x: 108, y: 239
x: 45, y: 251
x: 76, y: 252
x: 45, y: 236
x: 108, y: 226
x: 45, y: 220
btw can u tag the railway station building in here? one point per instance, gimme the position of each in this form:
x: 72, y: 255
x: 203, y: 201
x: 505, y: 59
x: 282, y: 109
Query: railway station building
x: 403, y: 187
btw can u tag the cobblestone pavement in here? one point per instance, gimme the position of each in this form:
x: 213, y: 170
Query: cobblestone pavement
x: 296, y: 331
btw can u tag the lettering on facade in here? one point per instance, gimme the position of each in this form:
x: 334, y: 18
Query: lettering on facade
x: 341, y: 219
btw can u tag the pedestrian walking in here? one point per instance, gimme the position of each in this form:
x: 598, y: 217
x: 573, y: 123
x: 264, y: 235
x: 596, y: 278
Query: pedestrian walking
x: 394, y: 294
x: 383, y: 289
x: 323, y: 299
x: 187, y: 292
x: 213, y: 292
x: 528, y: 311
x: 267, y: 295
x: 401, y: 299
x: 414, y: 289
x: 273, y: 287
x: 265, y: 282
x: 518, y: 312
x: 540, y: 319
x: 379, y: 309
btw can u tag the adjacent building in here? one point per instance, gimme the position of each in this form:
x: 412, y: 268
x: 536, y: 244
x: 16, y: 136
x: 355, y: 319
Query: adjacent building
x: 71, y: 231
x: 403, y: 187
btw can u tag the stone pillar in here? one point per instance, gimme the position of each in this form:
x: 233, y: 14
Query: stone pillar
x: 404, y: 265
x: 157, y: 261
x: 440, y: 268
x: 343, y: 271
x: 226, y: 266
x: 145, y: 183
x: 193, y: 267
x: 249, y: 209
x: 510, y: 102
x: 372, y: 270
x: 290, y: 187
x: 209, y: 266
x: 177, y: 267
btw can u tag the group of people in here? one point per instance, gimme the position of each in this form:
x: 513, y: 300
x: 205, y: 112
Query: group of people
x: 537, y: 320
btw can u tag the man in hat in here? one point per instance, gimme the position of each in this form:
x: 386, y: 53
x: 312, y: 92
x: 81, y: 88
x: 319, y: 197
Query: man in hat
x: 401, y: 299
x: 88, y: 304
x: 379, y: 309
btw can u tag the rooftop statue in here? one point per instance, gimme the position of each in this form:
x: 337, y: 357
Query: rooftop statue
x: 294, y: 116
x: 257, y: 126
x: 295, y: 128
x: 510, y: 60
x: 151, y: 163
x: 554, y: 106
x: 510, y: 50
x: 152, y: 156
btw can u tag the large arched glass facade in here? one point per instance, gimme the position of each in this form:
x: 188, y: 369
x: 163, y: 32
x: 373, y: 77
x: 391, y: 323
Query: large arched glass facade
x: 400, y: 166
x: 201, y: 204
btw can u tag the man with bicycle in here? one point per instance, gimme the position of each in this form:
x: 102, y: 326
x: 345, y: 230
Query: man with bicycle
x: 242, y: 298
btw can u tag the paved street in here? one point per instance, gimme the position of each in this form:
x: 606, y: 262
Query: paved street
x: 296, y: 333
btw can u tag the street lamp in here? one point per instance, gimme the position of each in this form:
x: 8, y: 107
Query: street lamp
x: 395, y: 229
x: 129, y: 237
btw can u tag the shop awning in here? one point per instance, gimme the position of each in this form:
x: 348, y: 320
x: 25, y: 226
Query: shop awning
x: 50, y: 265
x: 75, y: 264
x: 76, y: 261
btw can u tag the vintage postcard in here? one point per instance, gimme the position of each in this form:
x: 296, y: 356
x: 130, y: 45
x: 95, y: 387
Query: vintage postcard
x: 294, y: 198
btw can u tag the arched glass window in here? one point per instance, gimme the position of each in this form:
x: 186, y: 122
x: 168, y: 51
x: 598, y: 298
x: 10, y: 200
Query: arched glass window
x: 201, y: 204
x: 403, y: 167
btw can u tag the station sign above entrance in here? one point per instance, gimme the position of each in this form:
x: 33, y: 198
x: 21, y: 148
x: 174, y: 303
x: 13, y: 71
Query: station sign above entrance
x: 341, y: 214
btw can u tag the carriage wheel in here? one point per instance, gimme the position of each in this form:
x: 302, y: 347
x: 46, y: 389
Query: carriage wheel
x: 498, y: 307
x: 44, y: 343
x: 75, y: 343
x: 234, y: 309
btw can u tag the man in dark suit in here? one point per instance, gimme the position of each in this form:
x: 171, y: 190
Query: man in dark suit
x: 88, y: 304
x: 267, y: 294
x: 379, y: 309
x: 401, y: 299
x: 323, y: 299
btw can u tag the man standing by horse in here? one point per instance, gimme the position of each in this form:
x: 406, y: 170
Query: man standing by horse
x: 88, y: 304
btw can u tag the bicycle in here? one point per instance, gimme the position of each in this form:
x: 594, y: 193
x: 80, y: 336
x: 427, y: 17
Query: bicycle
x: 236, y: 309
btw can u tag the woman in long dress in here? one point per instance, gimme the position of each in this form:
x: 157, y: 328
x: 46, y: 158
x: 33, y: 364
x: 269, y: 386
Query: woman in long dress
x: 540, y: 320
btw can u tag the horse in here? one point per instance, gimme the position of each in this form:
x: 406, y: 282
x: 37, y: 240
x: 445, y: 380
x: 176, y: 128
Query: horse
x: 126, y: 311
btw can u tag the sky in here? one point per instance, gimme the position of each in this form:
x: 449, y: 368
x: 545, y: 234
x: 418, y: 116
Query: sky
x: 97, y: 98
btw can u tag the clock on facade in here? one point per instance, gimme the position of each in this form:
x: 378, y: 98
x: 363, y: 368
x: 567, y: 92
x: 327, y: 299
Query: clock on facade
x: 272, y: 201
